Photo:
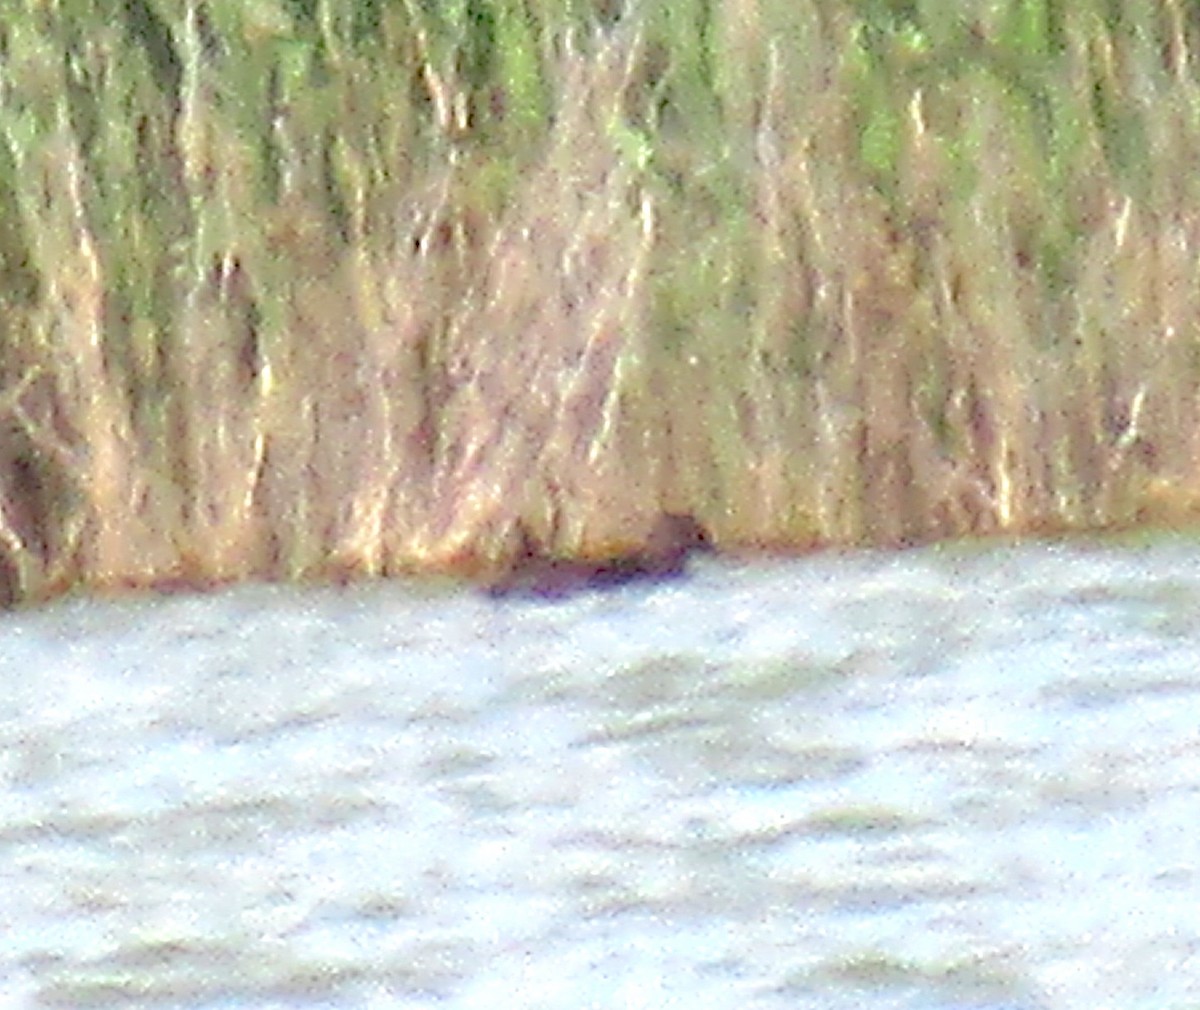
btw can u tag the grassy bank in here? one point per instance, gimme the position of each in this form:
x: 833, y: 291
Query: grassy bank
x: 304, y: 288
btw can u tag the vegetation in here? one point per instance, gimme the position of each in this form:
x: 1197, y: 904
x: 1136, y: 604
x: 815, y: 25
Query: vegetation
x: 312, y: 288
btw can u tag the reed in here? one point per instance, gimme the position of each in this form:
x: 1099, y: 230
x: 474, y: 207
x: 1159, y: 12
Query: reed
x: 312, y: 290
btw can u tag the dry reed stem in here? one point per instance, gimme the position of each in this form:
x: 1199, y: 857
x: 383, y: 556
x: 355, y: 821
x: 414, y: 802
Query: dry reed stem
x: 542, y: 362
x: 827, y: 293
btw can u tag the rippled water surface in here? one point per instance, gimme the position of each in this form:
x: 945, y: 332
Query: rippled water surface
x: 938, y: 779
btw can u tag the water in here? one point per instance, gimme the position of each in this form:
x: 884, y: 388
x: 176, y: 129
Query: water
x: 933, y: 780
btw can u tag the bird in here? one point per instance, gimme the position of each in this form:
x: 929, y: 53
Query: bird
x: 663, y: 555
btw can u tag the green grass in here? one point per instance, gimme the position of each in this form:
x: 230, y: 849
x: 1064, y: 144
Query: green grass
x: 304, y: 288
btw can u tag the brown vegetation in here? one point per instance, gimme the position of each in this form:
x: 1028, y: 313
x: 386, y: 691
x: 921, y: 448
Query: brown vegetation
x: 330, y: 300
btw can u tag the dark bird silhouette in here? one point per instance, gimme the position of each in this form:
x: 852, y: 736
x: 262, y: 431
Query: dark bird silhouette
x: 663, y: 555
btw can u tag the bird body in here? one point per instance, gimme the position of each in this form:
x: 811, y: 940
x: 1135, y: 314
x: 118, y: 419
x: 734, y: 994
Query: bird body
x: 662, y: 555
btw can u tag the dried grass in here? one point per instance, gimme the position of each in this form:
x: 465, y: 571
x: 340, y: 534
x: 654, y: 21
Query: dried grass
x: 289, y: 296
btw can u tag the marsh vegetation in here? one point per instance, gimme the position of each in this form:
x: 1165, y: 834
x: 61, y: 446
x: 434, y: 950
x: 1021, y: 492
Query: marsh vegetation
x: 304, y: 289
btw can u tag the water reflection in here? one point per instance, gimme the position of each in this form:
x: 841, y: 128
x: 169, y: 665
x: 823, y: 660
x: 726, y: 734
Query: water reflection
x: 938, y: 779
